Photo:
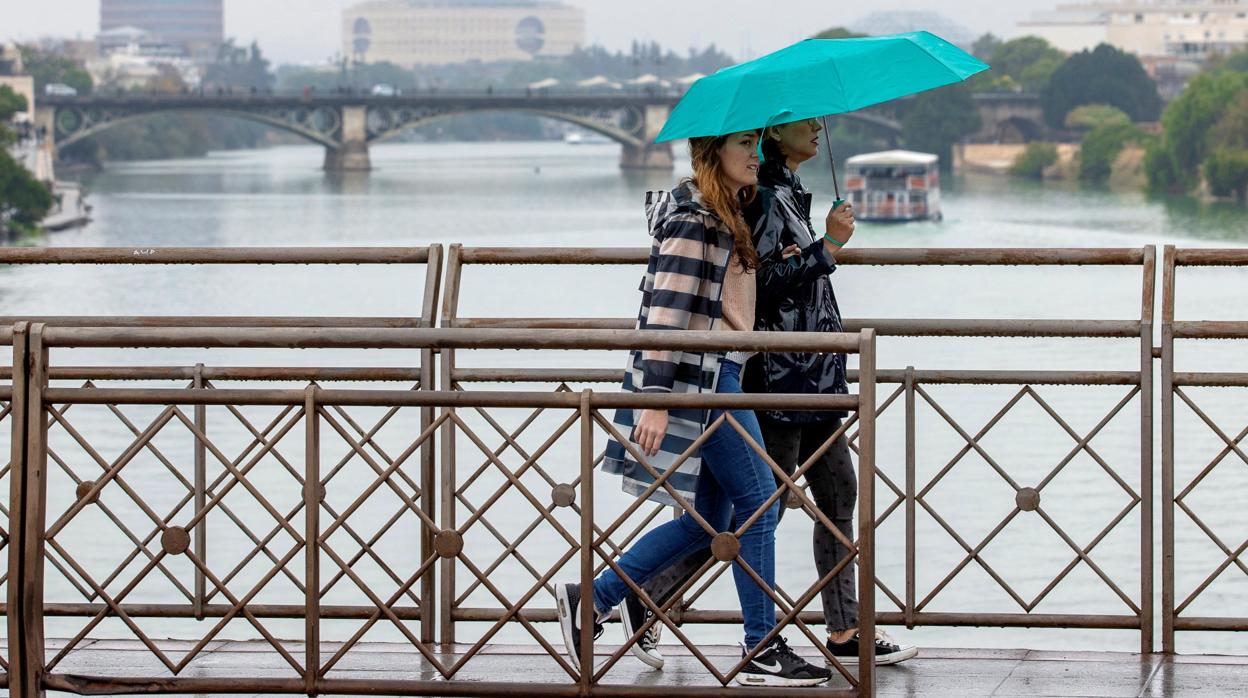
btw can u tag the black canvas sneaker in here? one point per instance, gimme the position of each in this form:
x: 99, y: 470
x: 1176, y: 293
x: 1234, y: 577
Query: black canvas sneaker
x: 886, y: 650
x: 568, y: 603
x: 634, y: 614
x: 780, y: 666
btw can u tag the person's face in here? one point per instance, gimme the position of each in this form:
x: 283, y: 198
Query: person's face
x: 738, y: 159
x: 799, y: 140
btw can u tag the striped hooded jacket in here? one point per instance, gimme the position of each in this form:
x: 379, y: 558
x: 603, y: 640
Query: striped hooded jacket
x: 681, y: 291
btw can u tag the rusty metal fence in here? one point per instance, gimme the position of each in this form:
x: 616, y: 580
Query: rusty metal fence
x: 1187, y: 474
x: 314, y: 544
x: 435, y: 590
x: 905, y: 493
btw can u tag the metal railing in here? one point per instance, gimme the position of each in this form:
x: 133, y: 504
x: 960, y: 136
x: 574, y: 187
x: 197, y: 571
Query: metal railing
x: 442, y: 603
x: 41, y: 515
x: 1179, y: 483
x: 910, y: 495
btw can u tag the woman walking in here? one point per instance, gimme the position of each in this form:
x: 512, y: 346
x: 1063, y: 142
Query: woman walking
x: 794, y: 294
x: 700, y: 276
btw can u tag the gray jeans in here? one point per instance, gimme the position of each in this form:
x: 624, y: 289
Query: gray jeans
x: 834, y: 487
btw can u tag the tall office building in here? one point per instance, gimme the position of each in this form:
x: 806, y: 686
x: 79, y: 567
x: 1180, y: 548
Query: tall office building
x: 437, y: 32
x: 196, y: 25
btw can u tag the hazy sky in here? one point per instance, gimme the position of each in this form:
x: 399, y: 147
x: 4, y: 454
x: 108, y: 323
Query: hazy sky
x: 308, y: 30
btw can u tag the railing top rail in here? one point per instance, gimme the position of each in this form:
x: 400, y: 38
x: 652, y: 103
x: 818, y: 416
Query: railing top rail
x: 880, y: 256
x: 1213, y: 257
x: 212, y: 321
x: 228, y: 373
x: 884, y: 327
x: 450, y: 338
x: 215, y: 255
x: 447, y: 398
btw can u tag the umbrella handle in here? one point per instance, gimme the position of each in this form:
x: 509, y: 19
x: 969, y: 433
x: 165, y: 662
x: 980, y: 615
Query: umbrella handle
x: 836, y: 185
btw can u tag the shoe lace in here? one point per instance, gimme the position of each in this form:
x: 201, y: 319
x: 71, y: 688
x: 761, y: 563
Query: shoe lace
x: 781, y: 647
x: 881, y: 636
x: 651, y: 637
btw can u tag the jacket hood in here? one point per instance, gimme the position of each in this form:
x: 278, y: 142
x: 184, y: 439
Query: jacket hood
x: 661, y: 204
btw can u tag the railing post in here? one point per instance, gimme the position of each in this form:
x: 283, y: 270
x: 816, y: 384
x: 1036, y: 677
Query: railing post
x: 911, y: 484
x: 428, y: 470
x: 587, y: 540
x: 311, y: 534
x: 26, y: 515
x: 866, y: 512
x: 446, y: 493
x: 1147, y: 301
x: 201, y: 497
x: 1167, y: 449
x: 17, y: 652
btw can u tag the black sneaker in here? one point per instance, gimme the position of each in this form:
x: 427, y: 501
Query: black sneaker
x: 568, y: 604
x: 780, y: 666
x: 634, y: 614
x: 886, y: 650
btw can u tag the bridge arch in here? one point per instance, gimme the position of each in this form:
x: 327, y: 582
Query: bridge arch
x: 319, y: 125
x: 1019, y: 129
x: 384, y: 125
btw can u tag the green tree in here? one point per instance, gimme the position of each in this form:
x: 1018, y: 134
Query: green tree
x: 985, y: 46
x: 1187, y: 125
x: 1028, y: 60
x: 1100, y: 147
x: 837, y: 33
x: 24, y: 201
x: 1231, y: 130
x: 1226, y: 170
x: 10, y: 104
x: 1090, y: 116
x: 936, y: 120
x: 1034, y: 160
x: 1103, y: 75
x: 239, y: 68
x: 48, y: 68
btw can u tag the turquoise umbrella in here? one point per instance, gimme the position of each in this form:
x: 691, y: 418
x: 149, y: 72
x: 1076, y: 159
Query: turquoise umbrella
x: 817, y: 77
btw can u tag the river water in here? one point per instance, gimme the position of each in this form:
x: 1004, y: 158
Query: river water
x: 552, y: 194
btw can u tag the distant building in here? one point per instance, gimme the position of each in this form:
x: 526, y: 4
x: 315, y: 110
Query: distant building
x: 10, y: 59
x: 1178, y: 30
x: 132, y: 58
x: 438, y: 32
x: 198, y: 26
x: 880, y: 23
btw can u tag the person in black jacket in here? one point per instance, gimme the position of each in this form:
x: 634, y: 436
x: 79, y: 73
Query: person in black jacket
x: 794, y: 294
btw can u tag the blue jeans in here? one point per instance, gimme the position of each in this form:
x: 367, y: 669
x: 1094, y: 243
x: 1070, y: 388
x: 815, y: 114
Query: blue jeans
x: 732, y: 485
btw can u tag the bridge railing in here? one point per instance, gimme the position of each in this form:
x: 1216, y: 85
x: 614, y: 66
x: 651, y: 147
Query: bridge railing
x: 1203, y: 447
x: 333, y: 547
x: 912, y: 485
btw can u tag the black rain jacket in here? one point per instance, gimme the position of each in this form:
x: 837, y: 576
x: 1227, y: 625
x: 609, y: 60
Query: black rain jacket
x: 794, y: 295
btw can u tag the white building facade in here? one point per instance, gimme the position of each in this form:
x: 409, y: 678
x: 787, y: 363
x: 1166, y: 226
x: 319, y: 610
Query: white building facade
x: 1176, y: 29
x: 439, y: 32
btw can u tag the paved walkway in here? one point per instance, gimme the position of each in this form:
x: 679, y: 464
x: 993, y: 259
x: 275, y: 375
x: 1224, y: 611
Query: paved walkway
x: 936, y: 672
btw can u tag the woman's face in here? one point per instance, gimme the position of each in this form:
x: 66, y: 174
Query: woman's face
x: 738, y: 159
x: 799, y: 140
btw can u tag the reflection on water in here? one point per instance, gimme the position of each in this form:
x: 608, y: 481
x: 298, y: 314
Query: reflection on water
x: 554, y: 195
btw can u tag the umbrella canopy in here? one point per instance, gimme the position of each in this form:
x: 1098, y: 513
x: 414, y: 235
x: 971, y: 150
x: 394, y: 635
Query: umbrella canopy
x: 817, y: 77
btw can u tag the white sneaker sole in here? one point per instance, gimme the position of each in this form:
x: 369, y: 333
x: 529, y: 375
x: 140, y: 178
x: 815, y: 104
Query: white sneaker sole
x: 651, y: 659
x: 769, y: 680
x: 565, y: 621
x: 882, y: 659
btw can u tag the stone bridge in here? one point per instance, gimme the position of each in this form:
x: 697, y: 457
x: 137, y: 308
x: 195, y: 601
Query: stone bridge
x: 347, y: 124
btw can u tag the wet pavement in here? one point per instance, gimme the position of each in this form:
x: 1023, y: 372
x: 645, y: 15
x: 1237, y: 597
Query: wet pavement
x: 936, y: 672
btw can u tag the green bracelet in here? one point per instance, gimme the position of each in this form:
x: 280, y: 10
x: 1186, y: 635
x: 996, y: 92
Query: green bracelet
x: 832, y: 240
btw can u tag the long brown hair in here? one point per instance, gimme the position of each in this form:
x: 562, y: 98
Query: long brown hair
x: 721, y: 197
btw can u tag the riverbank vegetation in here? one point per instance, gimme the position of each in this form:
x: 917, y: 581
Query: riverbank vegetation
x: 24, y: 201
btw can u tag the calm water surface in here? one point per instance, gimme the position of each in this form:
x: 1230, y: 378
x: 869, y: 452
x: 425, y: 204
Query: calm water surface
x: 555, y: 195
